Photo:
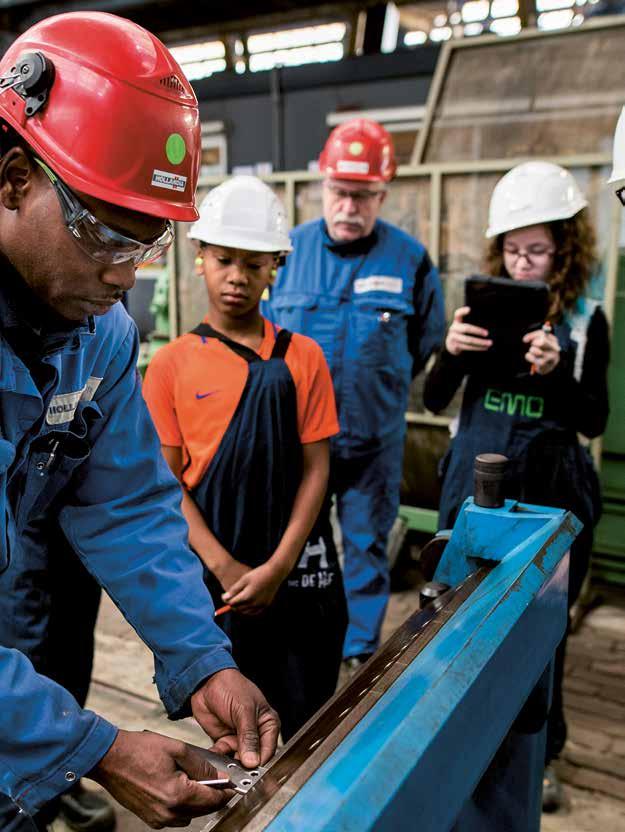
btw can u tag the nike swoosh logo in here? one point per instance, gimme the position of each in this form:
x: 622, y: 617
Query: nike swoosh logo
x: 204, y: 395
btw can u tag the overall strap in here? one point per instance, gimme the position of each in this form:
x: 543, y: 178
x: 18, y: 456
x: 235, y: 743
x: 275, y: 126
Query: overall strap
x: 206, y: 331
x: 283, y: 340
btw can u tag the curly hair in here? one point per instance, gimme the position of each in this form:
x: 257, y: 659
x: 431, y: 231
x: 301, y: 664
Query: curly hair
x: 574, y: 260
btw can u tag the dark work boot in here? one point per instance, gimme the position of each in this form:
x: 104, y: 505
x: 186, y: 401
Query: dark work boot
x: 86, y: 811
x: 553, y: 795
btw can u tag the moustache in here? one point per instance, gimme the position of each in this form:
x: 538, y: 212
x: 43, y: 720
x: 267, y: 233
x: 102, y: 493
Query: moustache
x: 349, y: 218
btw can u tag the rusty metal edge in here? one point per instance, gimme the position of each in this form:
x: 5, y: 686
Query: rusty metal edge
x: 316, y: 740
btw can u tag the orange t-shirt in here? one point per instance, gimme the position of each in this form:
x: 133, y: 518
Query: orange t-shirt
x: 193, y: 385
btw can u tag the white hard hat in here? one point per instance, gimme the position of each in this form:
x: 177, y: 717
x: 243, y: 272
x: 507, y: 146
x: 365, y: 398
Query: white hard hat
x: 618, y: 153
x: 242, y: 213
x: 533, y: 193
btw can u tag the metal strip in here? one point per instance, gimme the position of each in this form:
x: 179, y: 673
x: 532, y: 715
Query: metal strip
x: 314, y: 743
x: 230, y: 773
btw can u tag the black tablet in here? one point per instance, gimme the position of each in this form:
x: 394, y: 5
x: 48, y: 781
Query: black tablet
x: 508, y: 309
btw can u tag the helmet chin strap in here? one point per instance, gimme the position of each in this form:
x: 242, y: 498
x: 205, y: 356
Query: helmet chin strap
x: 31, y: 78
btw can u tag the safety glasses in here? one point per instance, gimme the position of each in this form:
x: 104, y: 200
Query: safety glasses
x: 96, y: 239
x: 621, y: 195
x: 535, y: 254
x: 361, y: 196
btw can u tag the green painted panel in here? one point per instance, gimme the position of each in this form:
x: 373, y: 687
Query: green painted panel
x: 610, y: 532
x: 614, y: 438
x: 419, y: 519
x: 613, y: 479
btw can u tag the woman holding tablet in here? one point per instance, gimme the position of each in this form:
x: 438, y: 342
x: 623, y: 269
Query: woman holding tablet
x: 539, y: 230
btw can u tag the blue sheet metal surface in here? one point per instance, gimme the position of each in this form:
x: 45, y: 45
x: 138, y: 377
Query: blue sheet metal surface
x: 416, y: 757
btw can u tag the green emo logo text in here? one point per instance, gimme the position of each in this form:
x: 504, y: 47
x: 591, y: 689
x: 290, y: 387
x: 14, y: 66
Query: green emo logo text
x: 513, y: 404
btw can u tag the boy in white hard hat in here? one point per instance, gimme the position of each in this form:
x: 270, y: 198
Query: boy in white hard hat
x: 245, y: 411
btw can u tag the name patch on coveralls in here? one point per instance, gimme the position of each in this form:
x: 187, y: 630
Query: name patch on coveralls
x: 63, y: 406
x: 378, y: 283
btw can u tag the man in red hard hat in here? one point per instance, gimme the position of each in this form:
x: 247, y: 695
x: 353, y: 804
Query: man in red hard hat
x: 369, y: 294
x: 99, y: 152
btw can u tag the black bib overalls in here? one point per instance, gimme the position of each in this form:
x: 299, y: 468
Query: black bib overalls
x: 292, y: 651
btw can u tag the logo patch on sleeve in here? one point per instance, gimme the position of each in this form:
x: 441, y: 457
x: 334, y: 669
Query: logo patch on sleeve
x: 378, y: 283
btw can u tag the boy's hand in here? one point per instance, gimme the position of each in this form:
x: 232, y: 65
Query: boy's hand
x: 230, y: 572
x: 255, y: 590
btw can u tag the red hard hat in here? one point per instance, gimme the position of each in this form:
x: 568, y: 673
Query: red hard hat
x: 121, y: 121
x: 359, y: 149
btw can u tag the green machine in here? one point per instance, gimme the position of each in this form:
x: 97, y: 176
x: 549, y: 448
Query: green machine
x: 160, y: 309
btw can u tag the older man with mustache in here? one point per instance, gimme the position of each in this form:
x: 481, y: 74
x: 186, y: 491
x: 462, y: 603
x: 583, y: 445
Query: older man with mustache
x: 369, y: 294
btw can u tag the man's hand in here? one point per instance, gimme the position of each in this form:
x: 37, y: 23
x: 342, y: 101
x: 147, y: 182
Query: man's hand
x: 255, y: 591
x: 235, y: 714
x: 154, y: 776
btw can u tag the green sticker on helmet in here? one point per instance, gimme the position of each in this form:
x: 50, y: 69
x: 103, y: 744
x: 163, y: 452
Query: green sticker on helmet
x: 175, y: 149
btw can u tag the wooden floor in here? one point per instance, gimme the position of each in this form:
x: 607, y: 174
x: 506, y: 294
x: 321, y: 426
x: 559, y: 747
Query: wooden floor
x: 594, y: 757
x: 593, y: 764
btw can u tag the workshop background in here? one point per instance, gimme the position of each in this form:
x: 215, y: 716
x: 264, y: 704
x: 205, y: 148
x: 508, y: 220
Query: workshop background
x: 467, y: 90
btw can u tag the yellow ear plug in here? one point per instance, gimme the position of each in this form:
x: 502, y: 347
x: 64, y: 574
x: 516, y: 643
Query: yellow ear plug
x: 199, y: 260
x: 199, y: 266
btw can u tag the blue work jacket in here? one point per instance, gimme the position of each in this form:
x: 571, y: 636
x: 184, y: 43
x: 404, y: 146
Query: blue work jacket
x: 376, y: 308
x: 82, y: 446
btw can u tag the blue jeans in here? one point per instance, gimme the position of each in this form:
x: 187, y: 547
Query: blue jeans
x: 367, y: 497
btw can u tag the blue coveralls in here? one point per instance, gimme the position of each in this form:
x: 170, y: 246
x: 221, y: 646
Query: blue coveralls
x: 292, y: 651
x: 79, y: 443
x: 376, y: 308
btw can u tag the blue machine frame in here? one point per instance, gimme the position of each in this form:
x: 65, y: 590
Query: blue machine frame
x: 414, y: 760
